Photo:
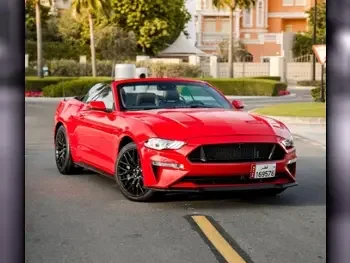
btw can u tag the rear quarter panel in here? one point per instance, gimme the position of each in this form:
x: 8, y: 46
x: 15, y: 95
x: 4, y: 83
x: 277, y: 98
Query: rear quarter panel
x: 65, y: 112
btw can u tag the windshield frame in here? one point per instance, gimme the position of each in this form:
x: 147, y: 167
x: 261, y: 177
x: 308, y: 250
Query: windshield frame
x: 146, y: 82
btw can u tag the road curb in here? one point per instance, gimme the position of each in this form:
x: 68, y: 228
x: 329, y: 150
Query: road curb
x: 260, y: 97
x: 45, y: 99
x: 300, y: 120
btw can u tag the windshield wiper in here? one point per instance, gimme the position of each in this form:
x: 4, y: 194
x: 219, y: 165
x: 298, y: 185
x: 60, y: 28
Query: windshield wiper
x: 201, y: 106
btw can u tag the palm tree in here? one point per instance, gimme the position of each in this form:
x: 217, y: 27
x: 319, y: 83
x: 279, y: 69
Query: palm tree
x: 39, y: 39
x: 92, y: 7
x: 232, y: 5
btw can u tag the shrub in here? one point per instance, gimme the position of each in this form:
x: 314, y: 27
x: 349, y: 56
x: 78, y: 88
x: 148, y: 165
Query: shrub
x: 171, y: 70
x: 237, y: 86
x: 268, y: 77
x: 30, y: 71
x: 73, y: 68
x: 309, y: 83
x: 248, y: 86
x: 105, y: 68
x: 37, y: 84
x: 57, y: 50
x: 73, y: 87
x: 316, y: 93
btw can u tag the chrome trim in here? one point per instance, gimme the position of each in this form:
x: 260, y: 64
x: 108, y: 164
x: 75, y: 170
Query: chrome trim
x: 292, y: 161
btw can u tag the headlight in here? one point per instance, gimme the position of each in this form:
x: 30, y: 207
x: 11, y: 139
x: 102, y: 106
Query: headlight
x: 161, y: 144
x: 288, y: 142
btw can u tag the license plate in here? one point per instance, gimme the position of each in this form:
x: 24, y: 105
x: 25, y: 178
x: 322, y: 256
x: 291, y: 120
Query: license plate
x: 260, y: 171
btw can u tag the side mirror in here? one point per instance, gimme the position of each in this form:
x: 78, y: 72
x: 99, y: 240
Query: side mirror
x: 97, y: 105
x: 239, y: 105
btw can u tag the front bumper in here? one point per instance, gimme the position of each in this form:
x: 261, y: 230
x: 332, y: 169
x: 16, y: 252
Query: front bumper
x: 171, y: 170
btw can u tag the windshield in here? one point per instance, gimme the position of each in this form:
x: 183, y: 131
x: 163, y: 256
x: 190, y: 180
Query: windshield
x: 170, y: 95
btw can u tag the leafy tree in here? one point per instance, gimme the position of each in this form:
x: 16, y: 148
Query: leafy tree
x: 74, y: 28
x: 112, y: 43
x: 30, y: 6
x: 155, y: 23
x: 91, y: 8
x: 231, y: 5
x: 50, y: 31
x: 240, y: 52
x: 320, y: 22
x: 30, y: 20
x: 303, y: 41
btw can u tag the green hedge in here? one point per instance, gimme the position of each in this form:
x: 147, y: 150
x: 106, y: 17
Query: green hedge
x: 57, y: 50
x: 37, y: 84
x: 237, y: 86
x: 309, y: 83
x: 248, y: 86
x: 268, y: 77
x: 316, y: 93
x: 73, y: 87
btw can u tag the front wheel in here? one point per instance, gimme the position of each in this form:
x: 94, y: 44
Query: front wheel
x: 129, y: 175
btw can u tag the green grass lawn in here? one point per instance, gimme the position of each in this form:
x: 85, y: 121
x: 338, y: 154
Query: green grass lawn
x: 299, y: 109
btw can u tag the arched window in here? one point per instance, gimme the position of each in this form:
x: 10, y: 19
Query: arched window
x: 260, y: 14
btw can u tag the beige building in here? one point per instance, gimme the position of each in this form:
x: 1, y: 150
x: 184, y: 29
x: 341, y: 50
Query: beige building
x: 264, y: 29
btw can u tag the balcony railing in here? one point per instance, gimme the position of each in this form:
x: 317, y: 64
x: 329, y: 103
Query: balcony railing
x: 216, y: 37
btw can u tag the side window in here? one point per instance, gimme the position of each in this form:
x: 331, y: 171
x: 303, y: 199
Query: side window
x: 106, y: 95
x: 93, y: 92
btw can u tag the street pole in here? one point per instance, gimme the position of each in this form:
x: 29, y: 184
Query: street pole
x: 322, y: 97
x: 314, y: 42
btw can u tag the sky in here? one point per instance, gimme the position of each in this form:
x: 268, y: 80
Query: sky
x: 191, y: 26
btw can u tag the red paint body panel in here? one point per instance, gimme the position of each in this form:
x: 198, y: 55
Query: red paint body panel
x: 94, y: 138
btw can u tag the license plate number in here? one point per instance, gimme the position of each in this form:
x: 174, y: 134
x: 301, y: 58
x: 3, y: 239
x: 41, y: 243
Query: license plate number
x: 260, y: 171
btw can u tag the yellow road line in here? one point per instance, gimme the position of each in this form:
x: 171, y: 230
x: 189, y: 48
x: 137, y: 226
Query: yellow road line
x: 218, y: 241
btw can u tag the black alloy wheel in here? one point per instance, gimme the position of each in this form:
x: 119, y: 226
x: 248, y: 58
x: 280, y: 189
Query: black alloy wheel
x: 63, y: 156
x: 129, y: 174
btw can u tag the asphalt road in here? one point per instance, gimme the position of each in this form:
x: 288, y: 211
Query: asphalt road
x: 85, y: 218
x: 301, y: 95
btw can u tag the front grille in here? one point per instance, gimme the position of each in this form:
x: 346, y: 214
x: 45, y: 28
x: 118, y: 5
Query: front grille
x: 237, y: 152
x: 227, y: 180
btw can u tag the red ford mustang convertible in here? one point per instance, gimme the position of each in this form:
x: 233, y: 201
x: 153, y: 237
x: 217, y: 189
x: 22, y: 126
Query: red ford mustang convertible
x: 160, y: 135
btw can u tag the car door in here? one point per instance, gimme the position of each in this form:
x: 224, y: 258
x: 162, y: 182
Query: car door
x: 98, y: 133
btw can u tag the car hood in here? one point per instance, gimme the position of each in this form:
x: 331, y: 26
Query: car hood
x: 182, y: 124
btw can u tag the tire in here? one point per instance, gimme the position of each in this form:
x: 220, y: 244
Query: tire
x: 129, y: 177
x: 63, y: 157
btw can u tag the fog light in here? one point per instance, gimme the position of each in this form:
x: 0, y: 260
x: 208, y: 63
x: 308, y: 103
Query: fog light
x: 169, y: 165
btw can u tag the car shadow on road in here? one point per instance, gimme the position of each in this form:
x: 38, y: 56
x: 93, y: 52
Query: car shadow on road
x: 311, y: 191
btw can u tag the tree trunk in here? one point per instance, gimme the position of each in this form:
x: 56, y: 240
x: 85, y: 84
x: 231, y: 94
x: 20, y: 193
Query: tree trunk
x: 39, y: 40
x: 230, y: 46
x: 92, y: 45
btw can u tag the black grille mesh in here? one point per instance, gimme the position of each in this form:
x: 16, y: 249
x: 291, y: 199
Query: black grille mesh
x: 227, y: 180
x: 237, y: 152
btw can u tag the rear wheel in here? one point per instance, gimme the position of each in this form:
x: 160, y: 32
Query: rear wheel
x: 129, y: 175
x: 63, y: 155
